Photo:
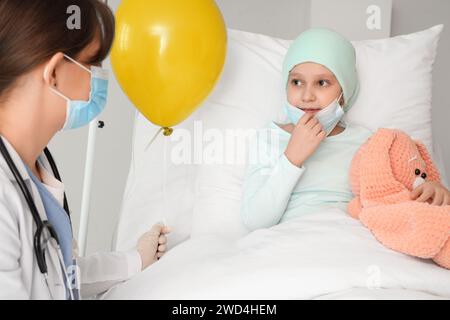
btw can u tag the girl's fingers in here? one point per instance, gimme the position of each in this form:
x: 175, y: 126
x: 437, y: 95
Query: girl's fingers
x: 159, y: 254
x: 426, y: 194
x: 322, y: 135
x: 438, y: 199
x: 416, y: 192
x: 317, y: 128
x: 446, y: 201
x: 305, y: 118
x: 162, y: 248
x: 311, y: 123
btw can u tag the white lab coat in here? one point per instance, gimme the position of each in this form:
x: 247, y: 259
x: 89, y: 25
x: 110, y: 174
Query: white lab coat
x: 20, y: 277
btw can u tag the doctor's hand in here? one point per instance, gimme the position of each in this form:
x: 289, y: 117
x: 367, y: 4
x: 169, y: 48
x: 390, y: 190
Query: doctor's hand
x: 432, y: 192
x: 306, y: 137
x: 152, y: 244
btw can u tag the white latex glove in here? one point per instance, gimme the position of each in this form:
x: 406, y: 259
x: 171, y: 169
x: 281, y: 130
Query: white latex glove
x: 152, y: 244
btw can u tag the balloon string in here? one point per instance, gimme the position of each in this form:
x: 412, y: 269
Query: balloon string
x: 167, y: 132
x: 153, y: 139
x: 164, y: 182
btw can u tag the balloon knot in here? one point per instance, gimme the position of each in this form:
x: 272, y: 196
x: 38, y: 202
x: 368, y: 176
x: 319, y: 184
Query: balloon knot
x: 167, y: 131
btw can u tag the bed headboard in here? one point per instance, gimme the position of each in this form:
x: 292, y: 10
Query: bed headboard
x: 355, y: 19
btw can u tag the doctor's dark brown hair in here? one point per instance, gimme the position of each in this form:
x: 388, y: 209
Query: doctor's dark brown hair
x: 32, y: 31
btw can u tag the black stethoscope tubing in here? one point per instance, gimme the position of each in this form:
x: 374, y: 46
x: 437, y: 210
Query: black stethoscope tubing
x: 40, y: 224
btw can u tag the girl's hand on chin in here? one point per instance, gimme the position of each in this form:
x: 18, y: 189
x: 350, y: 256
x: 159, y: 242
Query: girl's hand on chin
x: 306, y: 137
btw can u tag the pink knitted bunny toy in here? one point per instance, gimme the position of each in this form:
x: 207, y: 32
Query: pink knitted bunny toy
x: 383, y: 173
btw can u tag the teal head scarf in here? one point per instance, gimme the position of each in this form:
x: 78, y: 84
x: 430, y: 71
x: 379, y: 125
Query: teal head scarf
x: 333, y: 51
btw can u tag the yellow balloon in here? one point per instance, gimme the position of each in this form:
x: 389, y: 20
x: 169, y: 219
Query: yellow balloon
x: 168, y: 55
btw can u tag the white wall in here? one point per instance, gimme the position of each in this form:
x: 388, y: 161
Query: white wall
x: 284, y: 19
x: 280, y: 18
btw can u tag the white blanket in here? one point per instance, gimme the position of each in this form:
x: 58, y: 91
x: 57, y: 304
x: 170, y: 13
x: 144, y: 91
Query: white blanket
x: 326, y: 255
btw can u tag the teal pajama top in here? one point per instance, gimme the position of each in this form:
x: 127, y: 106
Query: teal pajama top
x: 276, y: 190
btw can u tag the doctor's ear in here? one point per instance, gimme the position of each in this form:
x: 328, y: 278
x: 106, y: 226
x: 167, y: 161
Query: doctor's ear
x: 50, y: 69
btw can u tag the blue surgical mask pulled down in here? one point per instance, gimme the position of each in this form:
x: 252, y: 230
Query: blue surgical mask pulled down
x: 328, y: 117
x: 81, y: 113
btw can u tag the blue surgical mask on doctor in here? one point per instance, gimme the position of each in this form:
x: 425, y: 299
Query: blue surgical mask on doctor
x: 81, y: 113
x: 328, y: 117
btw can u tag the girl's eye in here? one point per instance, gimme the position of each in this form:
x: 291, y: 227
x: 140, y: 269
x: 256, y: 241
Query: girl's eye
x: 323, y: 83
x: 295, y: 82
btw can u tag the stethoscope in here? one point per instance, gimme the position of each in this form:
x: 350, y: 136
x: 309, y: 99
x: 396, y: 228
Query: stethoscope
x: 38, y: 240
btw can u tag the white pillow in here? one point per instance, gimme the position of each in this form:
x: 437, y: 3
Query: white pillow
x: 396, y: 83
x: 395, y: 75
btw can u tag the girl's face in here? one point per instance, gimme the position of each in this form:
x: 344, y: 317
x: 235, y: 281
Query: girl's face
x: 312, y: 87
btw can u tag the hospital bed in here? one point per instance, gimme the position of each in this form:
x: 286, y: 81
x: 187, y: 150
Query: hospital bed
x: 325, y: 255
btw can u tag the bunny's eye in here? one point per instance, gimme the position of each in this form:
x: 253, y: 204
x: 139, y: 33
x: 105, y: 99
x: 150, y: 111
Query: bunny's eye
x: 424, y: 175
x: 417, y: 172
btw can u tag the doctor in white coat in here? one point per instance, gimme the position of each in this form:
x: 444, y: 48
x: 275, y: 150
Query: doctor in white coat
x: 51, y: 80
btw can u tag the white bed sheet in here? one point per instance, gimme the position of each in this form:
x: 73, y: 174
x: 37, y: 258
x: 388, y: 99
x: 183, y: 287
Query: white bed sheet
x: 325, y: 255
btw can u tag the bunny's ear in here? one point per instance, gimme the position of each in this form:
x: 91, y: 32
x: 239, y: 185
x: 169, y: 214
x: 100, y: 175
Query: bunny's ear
x: 431, y: 170
x: 377, y: 178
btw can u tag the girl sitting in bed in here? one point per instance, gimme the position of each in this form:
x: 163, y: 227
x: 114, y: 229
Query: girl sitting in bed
x: 314, y: 150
